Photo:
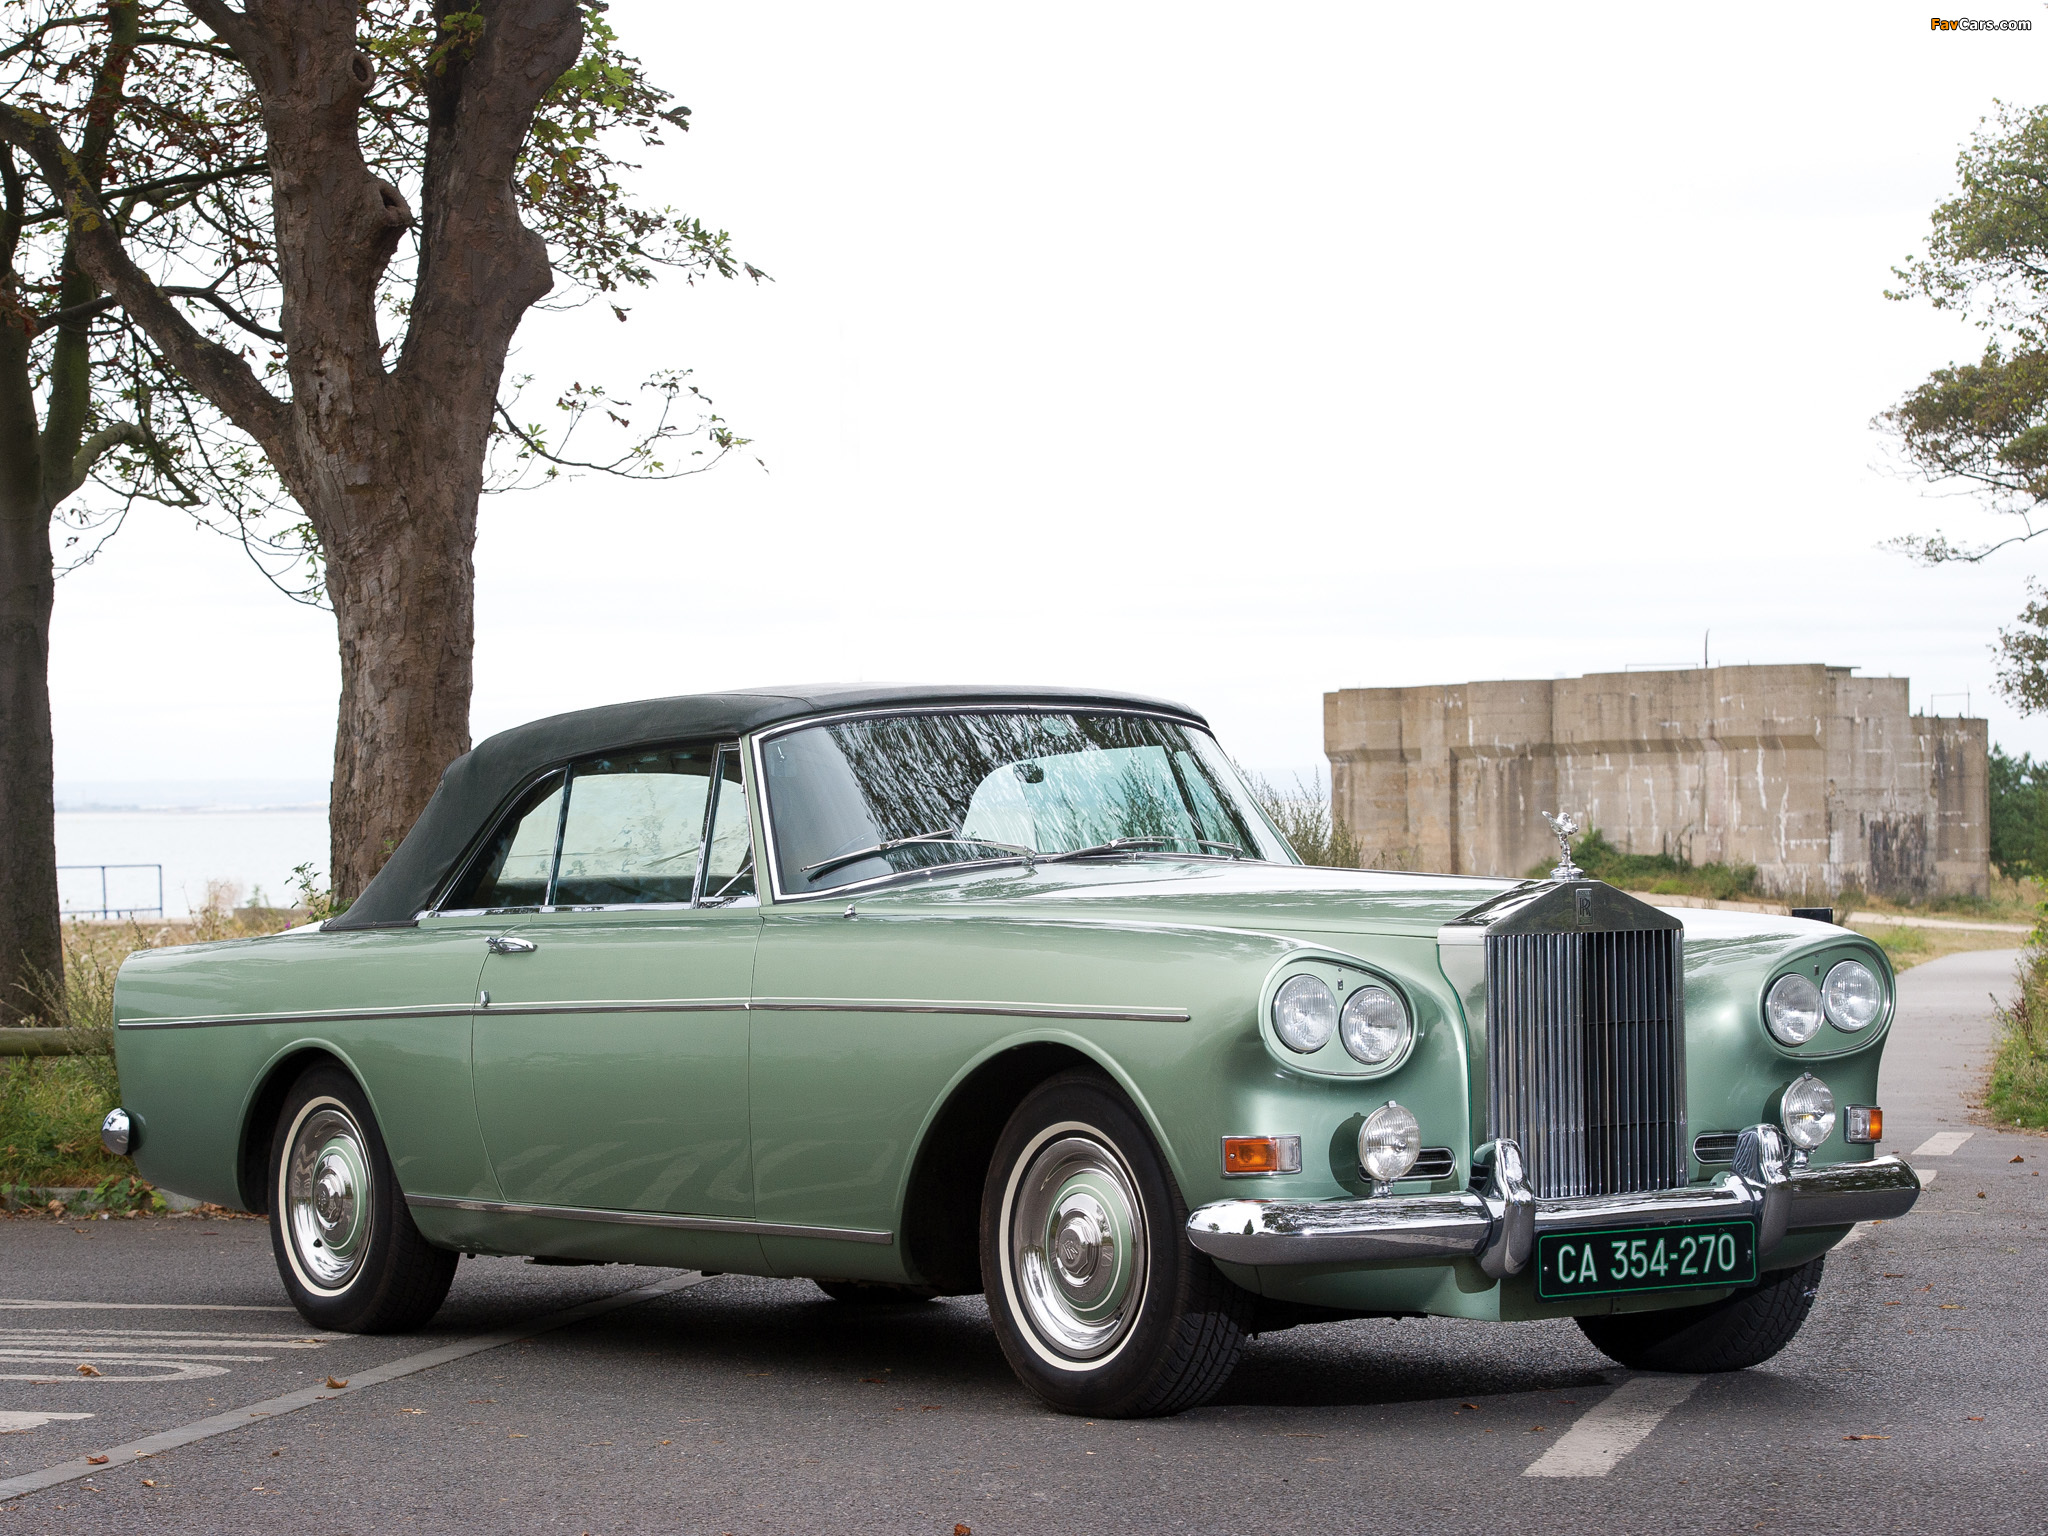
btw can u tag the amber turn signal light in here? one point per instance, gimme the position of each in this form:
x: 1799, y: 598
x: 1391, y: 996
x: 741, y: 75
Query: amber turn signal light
x: 1863, y: 1125
x: 1244, y: 1156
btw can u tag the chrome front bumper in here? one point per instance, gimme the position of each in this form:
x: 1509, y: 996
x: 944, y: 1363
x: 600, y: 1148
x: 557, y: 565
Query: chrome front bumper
x: 1497, y: 1221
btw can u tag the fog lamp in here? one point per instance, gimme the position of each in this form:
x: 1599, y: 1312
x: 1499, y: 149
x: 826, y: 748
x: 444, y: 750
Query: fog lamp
x: 1792, y: 1010
x: 1244, y: 1156
x: 1852, y: 996
x: 1862, y: 1124
x: 1304, y: 1014
x: 1807, y: 1112
x: 1375, y: 1026
x: 1388, y: 1143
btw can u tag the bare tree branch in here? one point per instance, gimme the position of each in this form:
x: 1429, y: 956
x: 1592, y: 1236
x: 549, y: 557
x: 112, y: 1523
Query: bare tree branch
x: 122, y: 434
x: 212, y: 296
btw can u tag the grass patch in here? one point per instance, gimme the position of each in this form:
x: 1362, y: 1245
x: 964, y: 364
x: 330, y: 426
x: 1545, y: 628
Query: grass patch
x: 2007, y: 901
x: 1660, y: 874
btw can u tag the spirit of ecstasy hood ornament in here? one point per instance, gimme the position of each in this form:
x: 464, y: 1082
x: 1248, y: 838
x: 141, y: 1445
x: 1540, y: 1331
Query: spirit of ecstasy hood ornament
x: 1566, y: 826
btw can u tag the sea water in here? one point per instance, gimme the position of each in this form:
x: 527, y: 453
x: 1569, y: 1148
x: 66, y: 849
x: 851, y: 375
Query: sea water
x: 219, y: 835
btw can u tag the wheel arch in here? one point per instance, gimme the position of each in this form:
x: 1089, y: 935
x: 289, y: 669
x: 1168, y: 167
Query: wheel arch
x: 259, y: 1117
x: 941, y: 1224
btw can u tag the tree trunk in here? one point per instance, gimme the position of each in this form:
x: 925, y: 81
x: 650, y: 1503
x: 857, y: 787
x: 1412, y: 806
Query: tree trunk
x: 404, y: 606
x: 31, y: 937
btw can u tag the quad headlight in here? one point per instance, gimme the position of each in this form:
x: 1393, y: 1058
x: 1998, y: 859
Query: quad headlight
x: 1852, y: 996
x: 1388, y: 1143
x: 1374, y: 1026
x: 1807, y: 1111
x: 1792, y: 1010
x: 1304, y: 1014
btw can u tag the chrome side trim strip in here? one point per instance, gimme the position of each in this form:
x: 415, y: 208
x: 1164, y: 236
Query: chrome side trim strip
x: 1131, y: 1014
x: 335, y: 1016
x: 735, y: 1225
x: 596, y: 1005
x: 965, y: 1005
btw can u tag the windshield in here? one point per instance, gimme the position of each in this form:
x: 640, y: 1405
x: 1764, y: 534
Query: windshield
x: 953, y: 788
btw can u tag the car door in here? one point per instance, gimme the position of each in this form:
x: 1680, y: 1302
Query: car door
x: 610, y: 1040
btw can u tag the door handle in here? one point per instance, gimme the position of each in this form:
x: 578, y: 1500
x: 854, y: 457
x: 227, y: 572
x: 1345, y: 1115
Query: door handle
x: 506, y: 944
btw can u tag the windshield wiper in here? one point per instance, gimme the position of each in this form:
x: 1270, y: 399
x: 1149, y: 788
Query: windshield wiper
x: 1114, y: 845
x: 943, y: 835
x: 1230, y: 848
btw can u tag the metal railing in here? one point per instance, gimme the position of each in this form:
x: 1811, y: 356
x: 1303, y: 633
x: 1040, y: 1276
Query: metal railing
x: 106, y: 908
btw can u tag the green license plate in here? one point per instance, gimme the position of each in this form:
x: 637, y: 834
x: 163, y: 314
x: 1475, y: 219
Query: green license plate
x: 1677, y: 1258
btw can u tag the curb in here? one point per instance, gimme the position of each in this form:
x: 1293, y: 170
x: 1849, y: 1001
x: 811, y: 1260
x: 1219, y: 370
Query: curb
x: 74, y: 1197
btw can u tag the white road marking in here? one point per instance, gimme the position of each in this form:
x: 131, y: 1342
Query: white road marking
x: 1613, y: 1427
x: 155, y: 1338
x: 1942, y: 1143
x: 305, y: 1397
x: 20, y: 1304
x: 64, y: 1368
x: 14, y: 1420
x: 1927, y: 1177
x: 57, y: 1353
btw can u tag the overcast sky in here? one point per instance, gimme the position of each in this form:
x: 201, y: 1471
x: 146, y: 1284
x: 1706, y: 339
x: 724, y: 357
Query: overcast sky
x: 1232, y: 353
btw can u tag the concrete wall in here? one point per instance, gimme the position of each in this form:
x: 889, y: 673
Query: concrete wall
x: 1820, y: 779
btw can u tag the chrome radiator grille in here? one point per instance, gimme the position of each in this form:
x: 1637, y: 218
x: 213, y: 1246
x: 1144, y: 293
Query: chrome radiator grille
x: 1586, y: 1055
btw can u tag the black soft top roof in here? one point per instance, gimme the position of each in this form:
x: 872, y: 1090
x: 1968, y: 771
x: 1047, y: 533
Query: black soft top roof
x: 480, y: 781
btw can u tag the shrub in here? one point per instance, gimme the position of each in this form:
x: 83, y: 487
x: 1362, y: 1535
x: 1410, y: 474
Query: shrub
x: 1309, y: 822
x: 1661, y: 874
x: 2018, y: 1092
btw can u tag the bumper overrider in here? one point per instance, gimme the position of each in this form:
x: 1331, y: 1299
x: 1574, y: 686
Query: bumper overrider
x: 1496, y: 1222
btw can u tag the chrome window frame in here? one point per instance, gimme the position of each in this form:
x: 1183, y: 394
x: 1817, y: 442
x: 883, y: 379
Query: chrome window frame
x: 759, y: 770
x: 567, y: 770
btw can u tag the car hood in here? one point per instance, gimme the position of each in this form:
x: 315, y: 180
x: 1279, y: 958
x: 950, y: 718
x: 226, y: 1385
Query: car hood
x: 1275, y: 898
x: 1270, y: 898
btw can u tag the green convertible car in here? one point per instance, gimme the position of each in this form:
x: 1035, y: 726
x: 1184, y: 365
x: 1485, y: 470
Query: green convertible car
x: 939, y: 991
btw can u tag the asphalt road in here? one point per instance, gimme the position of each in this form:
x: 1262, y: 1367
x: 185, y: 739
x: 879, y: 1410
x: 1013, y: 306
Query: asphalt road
x: 1910, y: 1402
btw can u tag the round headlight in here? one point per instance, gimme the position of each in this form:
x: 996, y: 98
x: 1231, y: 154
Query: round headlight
x: 1852, y: 996
x: 1792, y: 1010
x: 1388, y: 1143
x: 1808, y: 1112
x: 1374, y: 1025
x: 1304, y: 1014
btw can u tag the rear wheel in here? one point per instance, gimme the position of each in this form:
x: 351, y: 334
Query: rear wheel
x: 346, y: 1246
x: 1099, y: 1301
x: 1730, y: 1335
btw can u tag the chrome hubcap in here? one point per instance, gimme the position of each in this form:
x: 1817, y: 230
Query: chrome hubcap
x: 1077, y: 1246
x: 327, y: 1196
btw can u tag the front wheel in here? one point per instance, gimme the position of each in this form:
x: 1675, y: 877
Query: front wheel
x: 1729, y: 1335
x: 1099, y: 1301
x: 346, y: 1246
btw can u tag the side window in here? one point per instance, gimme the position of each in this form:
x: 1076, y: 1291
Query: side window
x: 635, y: 828
x: 729, y: 866
x: 513, y: 869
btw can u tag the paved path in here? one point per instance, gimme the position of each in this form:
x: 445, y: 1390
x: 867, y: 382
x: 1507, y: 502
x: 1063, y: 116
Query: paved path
x: 1910, y: 1403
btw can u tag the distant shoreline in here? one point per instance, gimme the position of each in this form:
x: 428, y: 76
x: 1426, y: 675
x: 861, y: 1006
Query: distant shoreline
x: 94, y: 808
